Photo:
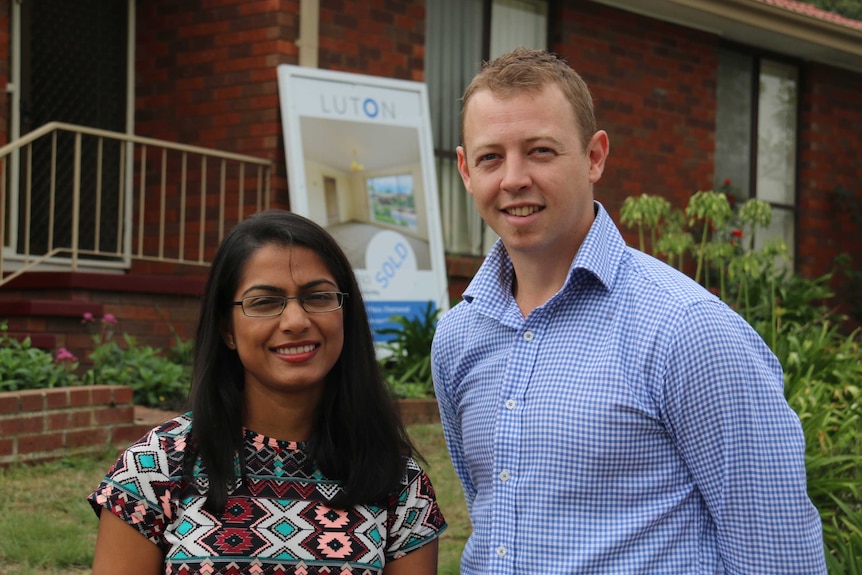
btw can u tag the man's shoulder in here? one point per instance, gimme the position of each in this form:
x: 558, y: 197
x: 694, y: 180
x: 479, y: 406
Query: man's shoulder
x: 656, y: 281
x: 457, y: 316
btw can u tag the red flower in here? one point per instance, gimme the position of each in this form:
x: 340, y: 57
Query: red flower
x: 736, y: 233
x: 727, y: 182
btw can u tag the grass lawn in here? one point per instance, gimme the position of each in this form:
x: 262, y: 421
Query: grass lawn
x: 47, y: 527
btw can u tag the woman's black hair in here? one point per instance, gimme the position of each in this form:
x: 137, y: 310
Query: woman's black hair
x: 358, y: 438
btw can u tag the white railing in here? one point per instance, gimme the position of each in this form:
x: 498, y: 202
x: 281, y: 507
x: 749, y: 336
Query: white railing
x: 73, y: 196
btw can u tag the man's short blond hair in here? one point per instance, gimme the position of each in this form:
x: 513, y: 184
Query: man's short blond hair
x: 528, y: 71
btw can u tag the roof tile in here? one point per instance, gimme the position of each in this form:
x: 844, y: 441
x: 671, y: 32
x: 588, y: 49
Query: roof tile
x: 814, y: 12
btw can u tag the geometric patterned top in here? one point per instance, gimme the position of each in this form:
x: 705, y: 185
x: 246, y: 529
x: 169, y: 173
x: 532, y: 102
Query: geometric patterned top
x: 275, y: 522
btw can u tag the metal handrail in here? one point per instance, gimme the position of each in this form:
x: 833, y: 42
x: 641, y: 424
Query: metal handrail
x: 147, y: 229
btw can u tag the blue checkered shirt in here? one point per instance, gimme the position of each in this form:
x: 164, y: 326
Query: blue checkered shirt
x: 631, y: 424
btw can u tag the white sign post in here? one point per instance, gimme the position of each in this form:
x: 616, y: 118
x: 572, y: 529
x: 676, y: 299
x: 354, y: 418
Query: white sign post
x: 360, y: 163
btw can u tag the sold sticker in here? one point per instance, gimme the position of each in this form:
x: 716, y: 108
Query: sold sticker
x: 392, y: 263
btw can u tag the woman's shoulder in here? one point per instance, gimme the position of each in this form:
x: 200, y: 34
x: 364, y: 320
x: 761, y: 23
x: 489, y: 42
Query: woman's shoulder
x: 414, y: 476
x: 169, y: 436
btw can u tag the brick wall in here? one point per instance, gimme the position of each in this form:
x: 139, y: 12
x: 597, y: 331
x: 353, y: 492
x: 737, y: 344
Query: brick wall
x: 206, y: 72
x: 830, y: 193
x: 376, y: 37
x: 40, y: 425
x: 152, y: 309
x: 205, y: 75
x: 653, y: 84
x: 829, y: 166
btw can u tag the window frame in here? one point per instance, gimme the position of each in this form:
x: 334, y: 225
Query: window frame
x: 757, y: 57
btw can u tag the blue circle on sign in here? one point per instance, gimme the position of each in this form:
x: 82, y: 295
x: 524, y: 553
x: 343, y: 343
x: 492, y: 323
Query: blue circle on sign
x: 370, y: 107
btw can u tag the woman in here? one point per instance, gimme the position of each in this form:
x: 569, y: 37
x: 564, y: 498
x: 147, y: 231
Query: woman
x: 293, y: 458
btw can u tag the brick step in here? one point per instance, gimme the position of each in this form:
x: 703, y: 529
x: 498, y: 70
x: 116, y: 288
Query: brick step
x: 38, y: 340
x: 152, y: 309
x: 49, y: 322
x: 45, y: 307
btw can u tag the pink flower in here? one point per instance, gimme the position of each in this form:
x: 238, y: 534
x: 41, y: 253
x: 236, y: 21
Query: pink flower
x: 88, y: 318
x: 64, y: 354
x: 109, y: 319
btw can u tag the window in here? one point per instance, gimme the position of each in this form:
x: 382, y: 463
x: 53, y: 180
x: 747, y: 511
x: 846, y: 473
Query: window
x: 461, y: 34
x: 755, y: 140
x: 391, y: 199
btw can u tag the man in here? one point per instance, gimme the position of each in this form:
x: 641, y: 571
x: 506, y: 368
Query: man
x: 604, y: 413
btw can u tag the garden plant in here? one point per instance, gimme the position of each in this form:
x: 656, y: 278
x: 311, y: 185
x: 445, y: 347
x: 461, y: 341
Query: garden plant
x: 406, y: 354
x: 158, y: 378
x: 820, y: 356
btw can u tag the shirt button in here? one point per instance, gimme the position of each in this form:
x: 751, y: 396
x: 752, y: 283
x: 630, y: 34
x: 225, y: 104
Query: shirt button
x: 528, y: 336
x: 501, y: 551
x: 504, y: 476
x: 510, y: 404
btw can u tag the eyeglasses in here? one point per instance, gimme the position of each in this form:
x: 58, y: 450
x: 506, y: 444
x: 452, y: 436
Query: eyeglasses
x: 273, y: 305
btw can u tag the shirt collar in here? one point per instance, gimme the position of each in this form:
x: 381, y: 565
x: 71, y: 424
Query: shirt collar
x: 598, y: 257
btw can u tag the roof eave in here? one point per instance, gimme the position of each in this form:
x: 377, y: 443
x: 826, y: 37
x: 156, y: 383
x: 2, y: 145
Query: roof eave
x: 760, y: 25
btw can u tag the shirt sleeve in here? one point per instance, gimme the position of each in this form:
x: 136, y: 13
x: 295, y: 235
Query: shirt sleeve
x: 725, y: 409
x: 414, y: 518
x: 137, y: 489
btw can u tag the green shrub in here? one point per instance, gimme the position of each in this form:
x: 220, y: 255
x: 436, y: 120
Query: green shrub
x: 823, y: 372
x: 23, y: 366
x: 823, y: 376
x: 158, y: 379
x: 407, y: 356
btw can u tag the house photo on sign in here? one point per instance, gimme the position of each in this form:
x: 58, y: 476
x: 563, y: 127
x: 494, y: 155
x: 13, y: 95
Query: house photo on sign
x: 360, y: 163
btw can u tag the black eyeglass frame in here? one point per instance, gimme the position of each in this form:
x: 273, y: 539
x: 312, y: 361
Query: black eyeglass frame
x: 340, y: 296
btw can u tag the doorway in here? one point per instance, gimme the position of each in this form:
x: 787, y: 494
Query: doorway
x: 73, y: 69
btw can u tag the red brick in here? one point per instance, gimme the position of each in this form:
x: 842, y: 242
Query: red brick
x: 22, y: 424
x: 41, y: 443
x: 56, y: 398
x: 7, y: 447
x: 87, y: 437
x: 102, y: 394
x: 10, y: 426
x: 79, y: 396
x: 33, y: 400
x: 9, y: 402
x: 415, y: 411
x: 80, y: 418
x: 111, y: 415
x: 123, y: 394
x: 58, y: 421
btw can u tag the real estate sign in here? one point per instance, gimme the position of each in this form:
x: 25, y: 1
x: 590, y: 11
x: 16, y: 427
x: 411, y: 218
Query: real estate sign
x: 360, y: 163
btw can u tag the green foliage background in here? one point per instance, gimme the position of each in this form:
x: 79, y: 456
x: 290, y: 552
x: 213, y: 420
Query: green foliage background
x: 848, y: 8
x: 821, y: 360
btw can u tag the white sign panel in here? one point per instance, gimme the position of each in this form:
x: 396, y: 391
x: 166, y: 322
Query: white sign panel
x: 360, y: 163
